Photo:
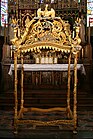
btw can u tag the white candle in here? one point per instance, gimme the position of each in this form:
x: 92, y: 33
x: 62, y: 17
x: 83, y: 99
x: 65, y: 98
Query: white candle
x: 55, y: 60
x: 46, y: 60
x: 37, y: 60
x: 42, y: 60
x: 50, y: 60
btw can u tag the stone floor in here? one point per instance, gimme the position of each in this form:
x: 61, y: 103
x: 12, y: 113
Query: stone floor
x: 84, y: 128
x: 47, y: 135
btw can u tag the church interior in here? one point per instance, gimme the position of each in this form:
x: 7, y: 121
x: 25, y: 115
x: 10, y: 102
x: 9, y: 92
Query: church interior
x: 46, y: 69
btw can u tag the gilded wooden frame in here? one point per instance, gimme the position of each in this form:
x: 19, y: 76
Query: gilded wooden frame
x: 65, y: 44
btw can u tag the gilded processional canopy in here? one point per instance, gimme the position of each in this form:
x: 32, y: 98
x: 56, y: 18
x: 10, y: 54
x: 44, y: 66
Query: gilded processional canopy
x: 45, y: 32
x: 49, y: 33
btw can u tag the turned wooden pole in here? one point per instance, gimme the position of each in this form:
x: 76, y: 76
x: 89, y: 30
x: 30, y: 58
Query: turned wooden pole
x: 15, y: 91
x: 22, y: 82
x: 75, y: 92
x: 68, y: 93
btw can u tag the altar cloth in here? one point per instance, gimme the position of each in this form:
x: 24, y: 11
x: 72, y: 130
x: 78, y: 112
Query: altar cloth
x: 47, y: 67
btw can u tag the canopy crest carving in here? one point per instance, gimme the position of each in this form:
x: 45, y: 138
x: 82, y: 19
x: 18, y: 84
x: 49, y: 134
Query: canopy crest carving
x: 44, y: 31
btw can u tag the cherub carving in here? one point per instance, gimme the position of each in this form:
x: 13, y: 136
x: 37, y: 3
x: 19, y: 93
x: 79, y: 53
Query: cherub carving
x: 46, y: 13
x: 50, y: 13
x: 40, y: 13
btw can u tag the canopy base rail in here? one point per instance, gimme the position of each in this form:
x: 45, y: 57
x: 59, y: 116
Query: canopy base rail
x: 20, y: 118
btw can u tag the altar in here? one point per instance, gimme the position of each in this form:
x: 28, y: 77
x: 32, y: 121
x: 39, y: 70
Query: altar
x: 46, y: 74
x: 47, y: 67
